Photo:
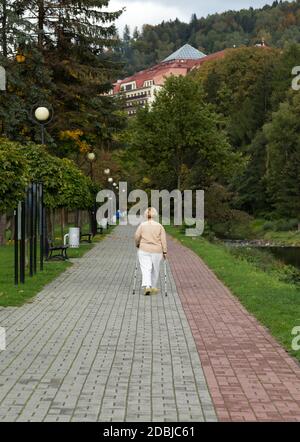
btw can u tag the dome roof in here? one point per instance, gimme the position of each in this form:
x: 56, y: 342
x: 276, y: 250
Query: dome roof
x: 186, y: 52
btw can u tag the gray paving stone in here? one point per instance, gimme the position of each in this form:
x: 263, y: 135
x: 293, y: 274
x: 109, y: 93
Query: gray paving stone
x: 86, y: 349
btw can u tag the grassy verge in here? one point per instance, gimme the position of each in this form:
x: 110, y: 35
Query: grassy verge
x: 11, y: 295
x: 262, y: 229
x: 274, y: 303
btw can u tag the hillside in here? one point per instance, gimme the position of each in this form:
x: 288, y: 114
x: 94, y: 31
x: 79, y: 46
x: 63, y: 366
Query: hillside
x: 278, y: 25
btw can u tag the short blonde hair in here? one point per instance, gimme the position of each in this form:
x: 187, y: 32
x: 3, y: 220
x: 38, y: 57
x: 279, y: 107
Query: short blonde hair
x: 150, y: 213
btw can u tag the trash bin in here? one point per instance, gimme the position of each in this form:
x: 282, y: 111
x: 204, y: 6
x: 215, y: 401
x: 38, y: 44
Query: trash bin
x: 72, y: 239
x: 104, y: 223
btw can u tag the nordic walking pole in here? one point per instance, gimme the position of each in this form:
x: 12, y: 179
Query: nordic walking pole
x: 166, y: 286
x: 135, y: 275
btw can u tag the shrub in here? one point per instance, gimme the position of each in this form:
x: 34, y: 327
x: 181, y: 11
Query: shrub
x: 13, y: 175
x: 269, y: 225
x: 283, y: 225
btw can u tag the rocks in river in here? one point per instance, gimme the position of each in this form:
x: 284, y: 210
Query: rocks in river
x: 249, y: 243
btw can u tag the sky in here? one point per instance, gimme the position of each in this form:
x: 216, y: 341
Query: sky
x: 139, y: 12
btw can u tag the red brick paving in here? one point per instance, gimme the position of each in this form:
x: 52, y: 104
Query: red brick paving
x: 249, y: 375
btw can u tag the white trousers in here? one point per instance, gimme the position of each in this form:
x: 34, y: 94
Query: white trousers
x: 149, y: 263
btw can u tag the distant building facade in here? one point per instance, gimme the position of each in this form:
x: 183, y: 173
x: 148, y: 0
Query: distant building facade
x: 140, y: 89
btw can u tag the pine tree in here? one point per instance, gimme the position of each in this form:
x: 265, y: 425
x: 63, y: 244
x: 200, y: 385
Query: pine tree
x: 77, y: 39
x: 136, y: 33
x: 13, y: 25
x: 80, y: 22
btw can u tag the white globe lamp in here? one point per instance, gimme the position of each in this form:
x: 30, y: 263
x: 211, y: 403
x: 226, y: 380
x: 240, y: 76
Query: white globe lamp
x: 42, y: 113
x: 91, y: 156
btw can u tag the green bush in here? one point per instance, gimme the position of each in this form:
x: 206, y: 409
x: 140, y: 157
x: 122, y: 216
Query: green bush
x: 284, y: 225
x: 64, y: 183
x: 269, y: 225
x: 13, y: 175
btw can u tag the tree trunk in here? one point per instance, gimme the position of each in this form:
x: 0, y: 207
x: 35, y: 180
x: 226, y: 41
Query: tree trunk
x: 78, y: 218
x: 4, y: 28
x: 53, y: 224
x: 2, y: 229
x: 12, y: 227
x: 62, y: 223
x: 41, y: 20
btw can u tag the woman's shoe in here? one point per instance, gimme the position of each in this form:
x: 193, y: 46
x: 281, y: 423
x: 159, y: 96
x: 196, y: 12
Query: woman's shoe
x: 147, y: 291
x: 154, y: 291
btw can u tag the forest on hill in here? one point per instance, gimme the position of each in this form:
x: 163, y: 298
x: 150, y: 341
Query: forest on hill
x: 278, y: 24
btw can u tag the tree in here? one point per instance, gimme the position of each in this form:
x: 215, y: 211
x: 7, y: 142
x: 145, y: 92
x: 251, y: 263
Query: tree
x: 13, y: 25
x: 80, y: 23
x: 13, y: 179
x: 249, y: 185
x: 180, y: 137
x: 282, y: 75
x: 136, y: 33
x: 64, y: 184
x: 240, y: 85
x: 28, y: 83
x: 70, y: 64
x: 283, y: 158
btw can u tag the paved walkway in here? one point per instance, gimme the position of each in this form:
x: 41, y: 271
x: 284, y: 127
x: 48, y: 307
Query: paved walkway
x: 86, y: 349
x: 250, y: 376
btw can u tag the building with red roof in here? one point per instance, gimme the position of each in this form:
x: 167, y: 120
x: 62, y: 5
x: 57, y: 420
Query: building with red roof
x: 141, y: 88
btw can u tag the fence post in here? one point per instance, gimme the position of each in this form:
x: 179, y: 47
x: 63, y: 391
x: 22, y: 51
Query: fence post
x: 42, y: 225
x: 16, y: 240
x: 34, y: 201
x: 22, y: 243
x: 29, y: 201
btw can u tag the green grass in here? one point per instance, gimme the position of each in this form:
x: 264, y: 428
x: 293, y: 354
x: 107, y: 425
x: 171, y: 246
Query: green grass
x: 288, y: 238
x: 291, y: 238
x: 11, y: 295
x: 274, y: 303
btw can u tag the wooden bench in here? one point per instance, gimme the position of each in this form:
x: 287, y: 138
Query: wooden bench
x: 86, y: 237
x: 51, y: 248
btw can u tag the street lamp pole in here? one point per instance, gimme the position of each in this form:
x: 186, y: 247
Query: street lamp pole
x: 91, y: 158
x: 42, y: 116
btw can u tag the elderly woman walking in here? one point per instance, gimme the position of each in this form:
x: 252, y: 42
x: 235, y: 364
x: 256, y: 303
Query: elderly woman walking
x: 150, y: 239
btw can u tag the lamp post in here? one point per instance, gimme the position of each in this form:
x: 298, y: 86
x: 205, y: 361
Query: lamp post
x: 91, y: 157
x: 42, y: 116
